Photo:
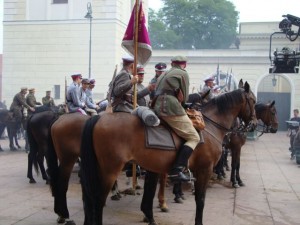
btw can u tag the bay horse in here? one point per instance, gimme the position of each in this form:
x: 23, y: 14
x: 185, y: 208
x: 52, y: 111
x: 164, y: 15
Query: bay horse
x: 38, y: 135
x: 111, y: 140
x: 268, y: 115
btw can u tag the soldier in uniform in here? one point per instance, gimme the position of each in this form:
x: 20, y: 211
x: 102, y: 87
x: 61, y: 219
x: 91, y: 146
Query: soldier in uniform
x: 73, y: 100
x: 143, y: 92
x: 172, y: 92
x: 209, y: 84
x: 88, y: 108
x: 160, y: 68
x: 18, y: 105
x: 31, y: 100
x: 122, y: 87
x: 48, y: 100
x: 89, y: 95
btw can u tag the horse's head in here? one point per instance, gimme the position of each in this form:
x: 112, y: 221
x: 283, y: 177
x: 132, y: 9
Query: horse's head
x: 196, y: 99
x: 268, y: 115
x: 247, y: 114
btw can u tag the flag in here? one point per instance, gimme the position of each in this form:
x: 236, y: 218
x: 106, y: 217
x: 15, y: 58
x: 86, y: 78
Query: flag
x: 143, y: 42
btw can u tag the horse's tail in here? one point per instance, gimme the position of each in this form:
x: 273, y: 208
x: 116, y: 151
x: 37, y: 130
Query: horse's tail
x: 90, y: 179
x: 33, y: 153
x: 52, y: 162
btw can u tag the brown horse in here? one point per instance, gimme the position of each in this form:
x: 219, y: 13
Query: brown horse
x: 268, y: 115
x: 106, y: 147
x: 65, y: 148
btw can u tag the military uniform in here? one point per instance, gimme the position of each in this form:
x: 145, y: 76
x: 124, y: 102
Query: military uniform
x: 172, y: 88
x: 84, y: 99
x: 122, y: 90
x: 143, y: 97
x: 206, y: 88
x: 48, y: 100
x: 160, y: 68
x: 73, y: 98
x: 18, y: 105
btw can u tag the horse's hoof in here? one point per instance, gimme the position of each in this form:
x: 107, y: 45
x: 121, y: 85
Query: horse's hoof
x: 241, y: 184
x: 145, y: 219
x: 115, y: 197
x: 163, y: 207
x: 119, y: 195
x: 69, y: 222
x: 61, y: 220
x: 13, y: 149
x: 32, y: 181
x: 138, y: 187
x: 178, y: 200
x: 235, y: 185
x: 129, y: 191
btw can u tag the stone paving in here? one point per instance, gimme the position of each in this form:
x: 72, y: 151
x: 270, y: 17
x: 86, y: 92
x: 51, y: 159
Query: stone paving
x: 271, y: 195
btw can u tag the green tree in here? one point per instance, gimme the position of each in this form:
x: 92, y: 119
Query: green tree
x: 161, y: 37
x: 194, y: 24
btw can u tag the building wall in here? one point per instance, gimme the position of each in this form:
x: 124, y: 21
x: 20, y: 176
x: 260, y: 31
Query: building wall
x: 45, y: 43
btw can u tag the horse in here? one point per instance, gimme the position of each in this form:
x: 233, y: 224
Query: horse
x: 105, y: 151
x: 38, y: 135
x: 7, y: 120
x: 268, y: 115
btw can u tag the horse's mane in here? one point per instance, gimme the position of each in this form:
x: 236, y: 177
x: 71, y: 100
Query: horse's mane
x: 226, y: 100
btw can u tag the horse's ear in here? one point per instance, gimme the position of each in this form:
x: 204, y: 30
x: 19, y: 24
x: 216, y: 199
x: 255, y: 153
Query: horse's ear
x: 272, y: 104
x: 241, y: 83
x: 247, y: 87
x: 203, y: 95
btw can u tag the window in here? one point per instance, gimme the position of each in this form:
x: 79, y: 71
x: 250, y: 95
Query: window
x: 56, y: 91
x: 60, y: 1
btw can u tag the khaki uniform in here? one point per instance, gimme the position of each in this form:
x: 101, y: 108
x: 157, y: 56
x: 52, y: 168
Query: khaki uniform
x: 48, y: 101
x: 170, y: 109
x: 122, y: 93
x: 31, y: 101
x: 17, y: 106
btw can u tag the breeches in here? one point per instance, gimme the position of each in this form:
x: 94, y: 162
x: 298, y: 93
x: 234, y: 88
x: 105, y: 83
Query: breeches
x: 183, y: 127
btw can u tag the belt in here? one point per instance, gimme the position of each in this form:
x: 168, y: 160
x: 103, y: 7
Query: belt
x: 167, y: 92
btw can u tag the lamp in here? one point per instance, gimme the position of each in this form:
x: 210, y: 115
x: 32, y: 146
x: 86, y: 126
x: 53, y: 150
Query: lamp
x: 89, y: 16
x: 274, y: 80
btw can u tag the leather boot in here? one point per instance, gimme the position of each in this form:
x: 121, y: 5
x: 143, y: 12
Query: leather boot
x: 176, y: 174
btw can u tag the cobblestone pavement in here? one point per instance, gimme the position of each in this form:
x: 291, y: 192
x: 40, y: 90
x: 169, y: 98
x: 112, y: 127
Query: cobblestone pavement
x: 271, y: 195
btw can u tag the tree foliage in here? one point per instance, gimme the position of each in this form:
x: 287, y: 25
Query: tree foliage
x: 193, y: 24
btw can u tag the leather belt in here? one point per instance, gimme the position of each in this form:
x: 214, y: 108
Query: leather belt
x: 167, y: 92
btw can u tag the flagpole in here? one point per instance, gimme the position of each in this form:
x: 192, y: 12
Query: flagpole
x: 135, y: 41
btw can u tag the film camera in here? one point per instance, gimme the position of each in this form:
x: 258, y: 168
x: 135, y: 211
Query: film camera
x: 286, y: 60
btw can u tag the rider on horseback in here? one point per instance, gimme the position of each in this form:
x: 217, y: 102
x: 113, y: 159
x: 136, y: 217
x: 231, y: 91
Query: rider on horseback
x: 172, y: 92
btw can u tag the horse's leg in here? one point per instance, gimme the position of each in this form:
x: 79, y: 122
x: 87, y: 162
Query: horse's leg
x: 116, y: 196
x: 202, y: 179
x: 239, y: 180
x: 226, y: 159
x: 161, y: 193
x: 42, y: 168
x: 29, y: 169
x: 10, y: 137
x: 233, y: 180
x: 148, y: 196
x: 218, y: 169
x: 16, y: 142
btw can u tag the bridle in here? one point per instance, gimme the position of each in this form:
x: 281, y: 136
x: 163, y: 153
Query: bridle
x: 267, y: 127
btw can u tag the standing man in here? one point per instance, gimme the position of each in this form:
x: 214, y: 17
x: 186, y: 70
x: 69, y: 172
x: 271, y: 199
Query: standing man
x: 48, y: 100
x: 31, y: 100
x: 143, y: 92
x: 73, y: 100
x: 208, y: 86
x: 172, y: 91
x: 292, y: 131
x: 18, y: 105
x: 122, y: 87
x: 160, y: 68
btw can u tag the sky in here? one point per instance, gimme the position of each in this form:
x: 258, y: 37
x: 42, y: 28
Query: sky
x: 250, y: 11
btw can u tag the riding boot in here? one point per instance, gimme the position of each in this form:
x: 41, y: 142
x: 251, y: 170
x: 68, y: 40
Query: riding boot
x: 176, y: 173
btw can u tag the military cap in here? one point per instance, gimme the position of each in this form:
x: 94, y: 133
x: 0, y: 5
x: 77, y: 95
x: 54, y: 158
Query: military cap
x: 24, y: 89
x: 160, y: 67
x: 48, y: 92
x: 31, y: 90
x: 92, y: 81
x: 210, y: 78
x: 128, y: 59
x: 85, y: 81
x: 179, y: 59
x: 76, y: 75
x: 140, y: 70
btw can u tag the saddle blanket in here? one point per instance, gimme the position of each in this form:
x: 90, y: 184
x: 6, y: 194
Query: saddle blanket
x: 159, y: 137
